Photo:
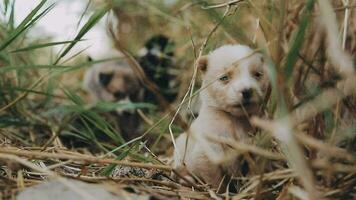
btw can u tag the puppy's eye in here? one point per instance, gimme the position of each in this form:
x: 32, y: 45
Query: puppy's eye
x: 224, y: 78
x: 257, y: 75
x: 105, y: 78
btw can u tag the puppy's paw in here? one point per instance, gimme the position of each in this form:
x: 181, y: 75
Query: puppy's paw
x: 182, y: 176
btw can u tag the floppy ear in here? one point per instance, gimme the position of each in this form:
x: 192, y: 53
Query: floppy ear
x: 203, y: 63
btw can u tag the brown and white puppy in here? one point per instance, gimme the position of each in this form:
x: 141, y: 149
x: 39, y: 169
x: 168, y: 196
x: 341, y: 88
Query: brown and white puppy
x: 112, y: 82
x: 116, y: 82
x: 234, y: 83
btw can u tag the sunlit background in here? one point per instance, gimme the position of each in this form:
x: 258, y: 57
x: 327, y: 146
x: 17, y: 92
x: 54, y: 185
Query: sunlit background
x: 63, y: 22
x: 65, y: 19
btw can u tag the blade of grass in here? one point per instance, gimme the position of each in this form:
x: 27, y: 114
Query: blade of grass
x: 27, y: 67
x: 94, y: 19
x: 63, y: 68
x: 36, y: 92
x: 30, y: 20
x: 110, y: 106
x: 11, y: 23
x: 38, y: 46
x: 75, y: 55
x: 93, y: 117
x: 230, y: 26
x: 6, y: 6
x: 298, y: 40
x: 83, y: 14
x: 109, y: 169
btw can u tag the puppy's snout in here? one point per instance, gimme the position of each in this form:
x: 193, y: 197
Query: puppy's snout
x: 247, y: 94
x: 119, y: 95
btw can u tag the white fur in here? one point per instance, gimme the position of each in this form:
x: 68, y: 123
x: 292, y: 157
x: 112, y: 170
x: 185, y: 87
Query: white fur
x: 239, y: 59
x: 221, y: 115
x: 92, y: 86
x: 228, y: 54
x: 98, y: 92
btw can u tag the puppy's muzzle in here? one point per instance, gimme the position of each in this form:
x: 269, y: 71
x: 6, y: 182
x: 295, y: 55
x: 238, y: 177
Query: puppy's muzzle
x: 247, y: 95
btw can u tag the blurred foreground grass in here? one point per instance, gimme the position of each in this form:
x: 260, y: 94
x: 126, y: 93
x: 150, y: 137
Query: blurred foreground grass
x: 306, y: 152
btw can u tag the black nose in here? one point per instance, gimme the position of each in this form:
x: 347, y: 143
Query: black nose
x: 119, y: 95
x: 247, y: 94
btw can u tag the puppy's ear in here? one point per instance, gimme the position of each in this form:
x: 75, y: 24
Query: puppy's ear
x: 203, y: 63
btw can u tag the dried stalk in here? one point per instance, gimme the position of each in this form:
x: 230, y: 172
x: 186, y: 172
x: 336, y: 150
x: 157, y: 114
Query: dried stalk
x: 80, y: 158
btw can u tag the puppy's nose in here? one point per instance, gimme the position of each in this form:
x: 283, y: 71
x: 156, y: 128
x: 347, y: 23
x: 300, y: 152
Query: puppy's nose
x: 247, y: 94
x: 119, y: 95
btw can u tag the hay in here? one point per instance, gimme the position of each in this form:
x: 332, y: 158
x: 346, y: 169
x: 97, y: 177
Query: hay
x: 304, y: 150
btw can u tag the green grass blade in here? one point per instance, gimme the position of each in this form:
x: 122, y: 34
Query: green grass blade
x: 111, y: 106
x: 292, y: 56
x: 38, y: 46
x: 83, y: 14
x: 110, y: 168
x: 95, y: 18
x: 229, y: 24
x: 6, y: 6
x: 63, y: 68
x: 11, y: 23
x: 27, y: 67
x: 91, y: 116
x: 34, y: 92
x: 25, y: 24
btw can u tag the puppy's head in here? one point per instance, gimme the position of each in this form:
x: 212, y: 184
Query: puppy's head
x: 235, y: 78
x: 157, y: 60
x: 156, y: 57
x: 113, y: 82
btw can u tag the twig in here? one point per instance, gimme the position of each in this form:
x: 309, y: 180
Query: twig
x: 230, y: 3
x: 81, y: 158
x: 344, y: 8
x: 346, y: 22
x: 282, y: 130
x: 123, y: 179
x: 330, y: 150
x: 243, y: 147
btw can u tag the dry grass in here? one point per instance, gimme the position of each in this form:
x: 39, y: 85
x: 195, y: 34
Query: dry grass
x: 304, y: 149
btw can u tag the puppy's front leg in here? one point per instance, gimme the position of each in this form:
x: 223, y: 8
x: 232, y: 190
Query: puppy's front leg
x: 190, y: 159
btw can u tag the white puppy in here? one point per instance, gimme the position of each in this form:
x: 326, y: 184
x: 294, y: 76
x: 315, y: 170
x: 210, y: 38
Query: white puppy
x: 234, y: 83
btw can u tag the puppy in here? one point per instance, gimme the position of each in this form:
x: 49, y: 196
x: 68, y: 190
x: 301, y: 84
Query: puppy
x: 116, y: 82
x: 234, y: 83
x: 157, y: 60
x: 112, y: 82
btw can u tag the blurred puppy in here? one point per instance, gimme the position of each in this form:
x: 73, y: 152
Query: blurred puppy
x: 235, y: 81
x: 156, y: 59
x: 113, y: 82
x: 116, y: 82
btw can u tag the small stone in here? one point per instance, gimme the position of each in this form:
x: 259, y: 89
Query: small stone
x: 56, y: 190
